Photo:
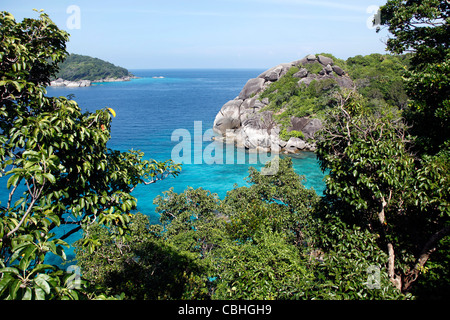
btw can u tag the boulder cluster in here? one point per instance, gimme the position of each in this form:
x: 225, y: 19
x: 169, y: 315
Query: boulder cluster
x: 86, y: 83
x: 66, y: 83
x: 243, y: 122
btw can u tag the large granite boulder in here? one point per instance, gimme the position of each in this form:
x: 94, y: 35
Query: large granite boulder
x: 325, y: 60
x: 307, y: 80
x: 57, y: 83
x: 250, y: 108
x: 298, y: 124
x: 311, y: 128
x: 345, y: 82
x: 339, y: 71
x: 252, y: 87
x: 274, y: 74
x: 301, y: 73
x: 225, y: 124
x: 306, y: 125
x: 311, y: 57
x: 228, y: 117
x: 296, y: 143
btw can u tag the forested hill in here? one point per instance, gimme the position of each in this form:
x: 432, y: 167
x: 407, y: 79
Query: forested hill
x: 296, y: 99
x: 79, y: 67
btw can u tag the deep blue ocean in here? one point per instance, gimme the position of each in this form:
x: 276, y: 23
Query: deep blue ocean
x: 149, y: 110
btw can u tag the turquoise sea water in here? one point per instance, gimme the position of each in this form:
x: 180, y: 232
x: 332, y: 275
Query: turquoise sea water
x: 149, y: 110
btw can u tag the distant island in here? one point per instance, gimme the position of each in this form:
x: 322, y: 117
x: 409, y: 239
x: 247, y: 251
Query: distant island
x: 81, y: 71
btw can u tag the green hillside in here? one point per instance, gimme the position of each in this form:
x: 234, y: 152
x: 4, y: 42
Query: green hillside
x: 79, y: 67
x: 377, y: 77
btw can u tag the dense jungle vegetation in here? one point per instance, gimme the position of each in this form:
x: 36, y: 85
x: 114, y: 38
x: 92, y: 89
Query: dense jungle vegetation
x: 381, y: 231
x: 378, y: 78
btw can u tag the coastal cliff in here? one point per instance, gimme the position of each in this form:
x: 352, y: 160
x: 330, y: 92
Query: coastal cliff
x: 257, y: 120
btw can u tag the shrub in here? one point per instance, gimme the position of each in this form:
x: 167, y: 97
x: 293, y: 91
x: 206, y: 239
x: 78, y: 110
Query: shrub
x: 285, y: 135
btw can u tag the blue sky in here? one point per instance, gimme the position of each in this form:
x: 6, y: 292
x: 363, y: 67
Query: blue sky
x: 138, y: 34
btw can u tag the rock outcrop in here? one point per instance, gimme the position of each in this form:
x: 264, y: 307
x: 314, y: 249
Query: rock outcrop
x: 65, y: 83
x: 241, y: 121
x: 85, y: 83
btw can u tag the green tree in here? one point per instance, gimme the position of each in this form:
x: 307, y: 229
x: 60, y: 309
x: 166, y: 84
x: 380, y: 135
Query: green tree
x: 279, y: 202
x: 388, y: 171
x: 58, y: 168
x: 266, y: 267
x: 248, y: 246
x: 270, y: 237
x: 162, y: 261
x: 375, y: 184
x: 263, y: 241
x: 422, y: 27
x: 379, y: 78
x: 140, y: 265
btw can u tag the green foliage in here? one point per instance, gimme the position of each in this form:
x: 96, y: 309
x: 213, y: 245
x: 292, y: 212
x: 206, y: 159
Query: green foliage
x: 376, y: 184
x: 429, y: 114
x: 422, y: 27
x: 313, y: 68
x: 278, y: 202
x: 288, y: 99
x: 285, y: 135
x: 58, y: 168
x: 385, y: 208
x: 379, y: 78
x: 187, y: 218
x: 139, y: 265
x: 433, y: 182
x: 78, y: 67
x: 367, y: 158
x: 435, y: 275
x: 350, y: 256
x: 418, y: 25
x: 285, y: 86
x: 267, y: 267
x: 264, y: 241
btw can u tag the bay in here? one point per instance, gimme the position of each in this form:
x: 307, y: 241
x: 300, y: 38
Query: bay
x: 152, y: 107
x: 149, y: 109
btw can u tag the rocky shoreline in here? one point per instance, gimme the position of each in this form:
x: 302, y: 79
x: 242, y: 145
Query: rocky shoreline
x: 242, y: 122
x: 86, y: 83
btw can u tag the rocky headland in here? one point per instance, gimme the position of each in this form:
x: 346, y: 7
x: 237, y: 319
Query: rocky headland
x: 245, y: 122
x: 86, y: 83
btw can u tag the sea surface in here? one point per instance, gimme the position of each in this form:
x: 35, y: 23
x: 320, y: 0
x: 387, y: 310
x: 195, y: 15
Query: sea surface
x: 164, y: 103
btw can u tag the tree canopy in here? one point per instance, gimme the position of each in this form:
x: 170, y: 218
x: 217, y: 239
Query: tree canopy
x: 264, y: 241
x: 422, y: 28
x: 79, y: 67
x: 377, y: 77
x: 381, y: 230
x: 58, y: 168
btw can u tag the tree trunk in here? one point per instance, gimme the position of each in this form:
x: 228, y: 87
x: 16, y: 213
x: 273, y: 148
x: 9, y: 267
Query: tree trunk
x: 395, y: 279
x: 430, y: 247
